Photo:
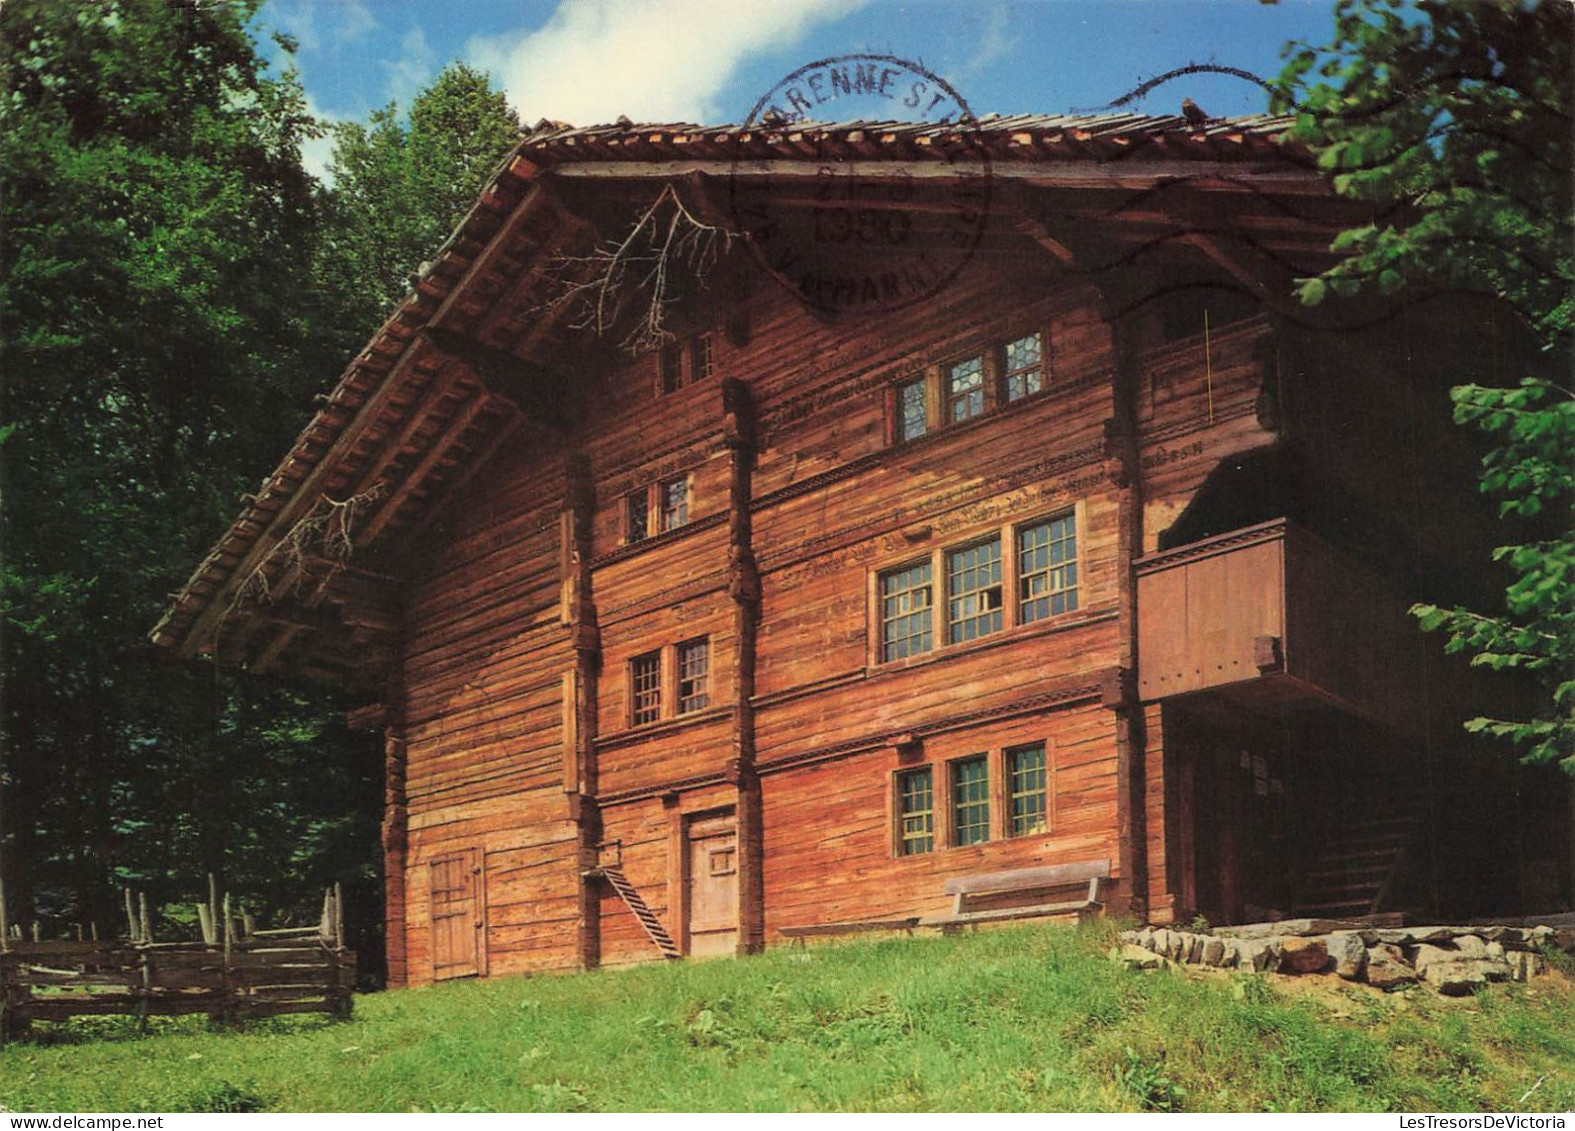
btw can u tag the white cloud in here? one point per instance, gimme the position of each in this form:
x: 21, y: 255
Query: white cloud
x: 654, y: 60
x: 323, y: 24
x: 995, y: 42
x: 411, y: 71
x: 316, y: 153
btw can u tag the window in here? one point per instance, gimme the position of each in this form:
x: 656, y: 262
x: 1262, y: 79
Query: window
x: 645, y: 688
x: 1047, y: 569
x: 916, y: 810
x: 905, y: 611
x: 637, y: 516
x: 694, y: 676
x: 911, y: 419
x: 965, y: 389
x: 674, y: 503
x: 671, y: 364
x: 700, y: 358
x: 1025, y: 783
x: 1022, y: 375
x: 973, y: 591
x: 971, y: 800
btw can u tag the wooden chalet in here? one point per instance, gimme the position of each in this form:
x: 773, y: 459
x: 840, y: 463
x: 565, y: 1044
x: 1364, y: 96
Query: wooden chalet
x: 1087, y: 558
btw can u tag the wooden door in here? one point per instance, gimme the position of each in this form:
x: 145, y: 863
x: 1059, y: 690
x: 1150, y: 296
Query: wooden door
x: 457, y: 924
x: 713, y: 887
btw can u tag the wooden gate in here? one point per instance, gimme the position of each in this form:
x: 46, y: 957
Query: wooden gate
x: 458, y: 926
x: 713, y: 887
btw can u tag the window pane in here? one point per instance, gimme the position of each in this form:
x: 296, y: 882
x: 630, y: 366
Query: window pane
x: 1024, y: 367
x: 905, y: 612
x: 973, y: 587
x: 965, y: 389
x: 1025, y: 772
x: 672, y: 364
x: 971, y: 800
x: 675, y: 503
x: 1047, y: 569
x: 911, y: 421
x: 700, y: 358
x: 639, y: 516
x: 645, y: 688
x: 916, y: 810
x: 694, y: 676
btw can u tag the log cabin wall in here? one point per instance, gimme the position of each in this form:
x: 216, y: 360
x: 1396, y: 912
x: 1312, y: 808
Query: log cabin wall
x: 484, y: 721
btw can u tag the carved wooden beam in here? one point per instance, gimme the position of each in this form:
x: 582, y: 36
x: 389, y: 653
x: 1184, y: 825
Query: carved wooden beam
x: 540, y: 393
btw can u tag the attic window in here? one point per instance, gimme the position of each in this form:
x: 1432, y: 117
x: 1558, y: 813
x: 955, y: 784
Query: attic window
x: 965, y: 389
x: 685, y: 363
x: 1023, y: 373
x: 671, y: 364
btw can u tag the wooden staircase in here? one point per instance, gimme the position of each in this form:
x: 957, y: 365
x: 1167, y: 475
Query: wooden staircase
x: 1358, y: 870
x: 641, y: 910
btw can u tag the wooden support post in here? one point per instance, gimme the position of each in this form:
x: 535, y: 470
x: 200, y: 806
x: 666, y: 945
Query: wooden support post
x: 131, y: 916
x: 396, y: 827
x: 578, y: 615
x: 213, y: 907
x: 738, y: 434
x: 1123, y: 467
x: 339, y: 915
x: 205, y: 924
x: 147, y: 924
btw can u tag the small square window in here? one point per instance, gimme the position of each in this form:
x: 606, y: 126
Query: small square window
x: 905, y: 612
x: 694, y: 676
x: 672, y: 367
x: 1024, y: 371
x: 645, y: 688
x: 675, y: 503
x: 912, y: 421
x: 1047, y: 569
x: 1026, y: 792
x: 971, y: 800
x: 965, y: 389
x: 915, y: 812
x: 637, y: 516
x: 973, y: 591
x: 700, y: 364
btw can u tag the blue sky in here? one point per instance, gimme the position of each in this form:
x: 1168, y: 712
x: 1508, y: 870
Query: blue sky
x: 587, y: 61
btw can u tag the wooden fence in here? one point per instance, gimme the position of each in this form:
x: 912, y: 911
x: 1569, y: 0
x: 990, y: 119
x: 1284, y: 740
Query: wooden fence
x: 233, y: 975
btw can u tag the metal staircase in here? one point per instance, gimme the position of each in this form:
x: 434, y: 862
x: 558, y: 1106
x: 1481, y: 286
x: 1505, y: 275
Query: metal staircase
x: 637, y: 905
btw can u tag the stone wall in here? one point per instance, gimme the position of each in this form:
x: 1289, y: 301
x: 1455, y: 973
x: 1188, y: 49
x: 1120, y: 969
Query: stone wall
x: 1452, y: 960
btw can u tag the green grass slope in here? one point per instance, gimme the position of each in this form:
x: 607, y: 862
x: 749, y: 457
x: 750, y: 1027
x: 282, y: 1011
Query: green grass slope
x: 1032, y: 1018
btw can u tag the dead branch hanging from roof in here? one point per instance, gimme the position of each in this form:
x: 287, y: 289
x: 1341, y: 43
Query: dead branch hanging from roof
x: 324, y: 534
x: 641, y: 271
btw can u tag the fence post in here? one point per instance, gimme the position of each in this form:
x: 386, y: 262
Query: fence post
x: 5, y: 923
x: 131, y: 916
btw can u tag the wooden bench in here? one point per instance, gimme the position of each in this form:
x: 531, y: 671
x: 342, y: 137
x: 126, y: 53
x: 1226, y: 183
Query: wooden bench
x: 1024, y: 883
x: 849, y: 927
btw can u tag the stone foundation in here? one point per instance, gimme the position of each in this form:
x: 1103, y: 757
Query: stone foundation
x: 1451, y: 960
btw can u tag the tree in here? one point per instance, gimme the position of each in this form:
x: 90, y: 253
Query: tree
x: 159, y: 355
x: 1454, y: 122
x: 398, y: 191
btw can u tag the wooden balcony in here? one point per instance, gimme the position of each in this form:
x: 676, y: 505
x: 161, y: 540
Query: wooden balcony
x: 1270, y: 614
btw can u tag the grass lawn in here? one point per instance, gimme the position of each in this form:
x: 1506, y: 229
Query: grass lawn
x: 1030, y: 1018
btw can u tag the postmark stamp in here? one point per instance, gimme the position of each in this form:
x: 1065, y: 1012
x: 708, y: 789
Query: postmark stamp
x: 880, y: 213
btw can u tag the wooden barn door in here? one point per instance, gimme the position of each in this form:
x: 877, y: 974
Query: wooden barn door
x: 713, y: 887
x: 457, y: 924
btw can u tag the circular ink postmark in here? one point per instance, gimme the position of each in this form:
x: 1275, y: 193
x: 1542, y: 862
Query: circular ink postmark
x: 881, y: 211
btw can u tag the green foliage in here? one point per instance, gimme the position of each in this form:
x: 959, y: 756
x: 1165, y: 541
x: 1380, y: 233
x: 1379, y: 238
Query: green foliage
x: 159, y: 354
x: 998, y: 1021
x: 1454, y: 121
x: 399, y: 190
